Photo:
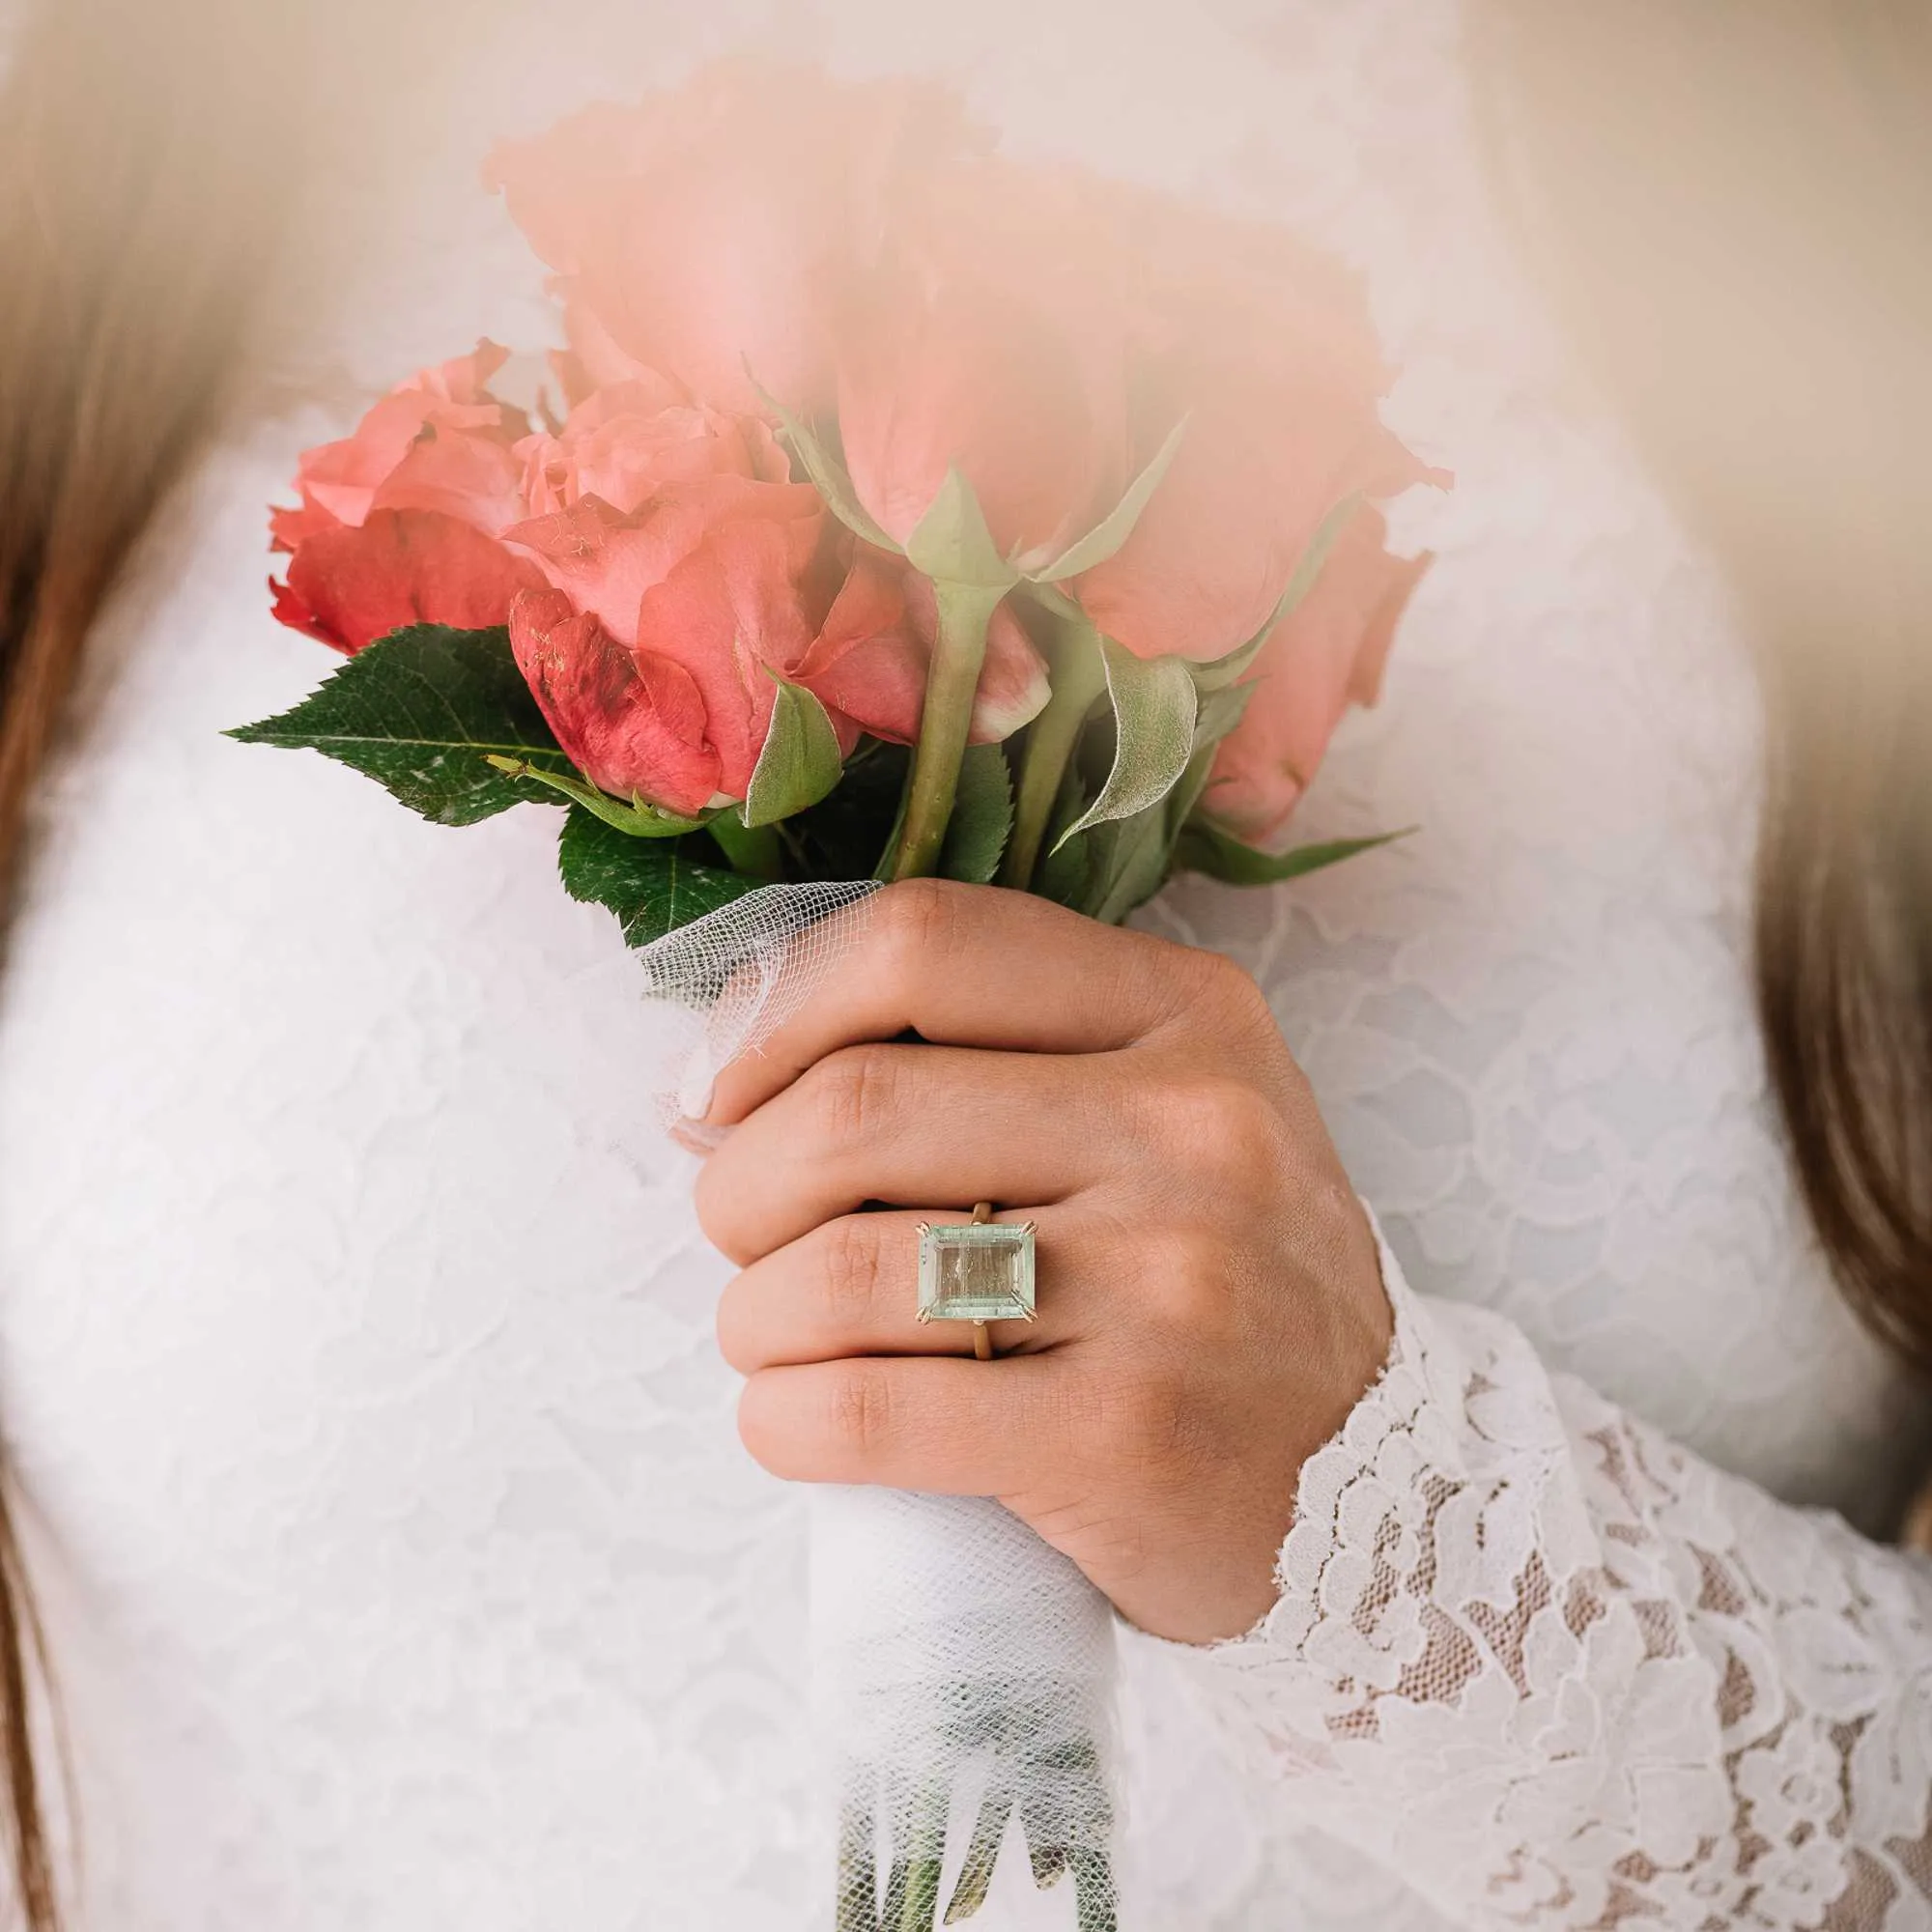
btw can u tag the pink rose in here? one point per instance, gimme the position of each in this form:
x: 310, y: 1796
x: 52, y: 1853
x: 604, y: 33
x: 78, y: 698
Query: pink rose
x: 675, y: 606
x: 630, y: 721
x: 701, y: 597
x: 710, y: 575
x: 705, y: 228
x: 1267, y: 348
x: 1328, y: 653
x: 397, y: 523
x: 990, y: 336
x: 625, y: 443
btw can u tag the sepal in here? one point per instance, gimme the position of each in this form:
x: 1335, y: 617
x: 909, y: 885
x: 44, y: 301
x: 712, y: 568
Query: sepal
x: 952, y: 543
x: 1107, y: 536
x: 1155, y: 705
x: 801, y: 761
x: 1218, y: 672
x: 824, y: 471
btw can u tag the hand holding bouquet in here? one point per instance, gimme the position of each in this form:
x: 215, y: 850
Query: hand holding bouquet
x: 900, y: 511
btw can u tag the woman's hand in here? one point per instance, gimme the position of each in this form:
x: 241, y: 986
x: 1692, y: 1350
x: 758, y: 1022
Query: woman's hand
x: 1210, y: 1306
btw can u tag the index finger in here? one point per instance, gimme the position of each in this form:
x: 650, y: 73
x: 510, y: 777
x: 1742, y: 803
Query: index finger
x: 968, y: 966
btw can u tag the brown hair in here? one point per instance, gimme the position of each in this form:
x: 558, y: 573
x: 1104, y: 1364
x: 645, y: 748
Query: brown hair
x: 1733, y: 195
x: 1733, y: 199
x: 136, y: 149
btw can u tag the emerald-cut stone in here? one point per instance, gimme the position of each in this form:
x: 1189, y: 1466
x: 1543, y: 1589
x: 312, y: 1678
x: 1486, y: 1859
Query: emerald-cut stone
x: 977, y: 1271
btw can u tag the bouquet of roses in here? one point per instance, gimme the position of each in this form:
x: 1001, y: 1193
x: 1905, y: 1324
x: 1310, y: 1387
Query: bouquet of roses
x: 900, y: 510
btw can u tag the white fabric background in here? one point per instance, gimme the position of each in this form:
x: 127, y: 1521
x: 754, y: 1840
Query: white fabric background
x: 402, y: 1564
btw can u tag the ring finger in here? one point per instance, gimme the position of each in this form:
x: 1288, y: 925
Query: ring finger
x: 851, y: 1287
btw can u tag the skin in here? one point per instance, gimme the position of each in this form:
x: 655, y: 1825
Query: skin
x: 1210, y: 1303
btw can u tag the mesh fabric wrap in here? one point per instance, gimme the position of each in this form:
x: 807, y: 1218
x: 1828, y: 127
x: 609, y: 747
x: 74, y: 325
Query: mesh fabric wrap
x: 958, y: 1662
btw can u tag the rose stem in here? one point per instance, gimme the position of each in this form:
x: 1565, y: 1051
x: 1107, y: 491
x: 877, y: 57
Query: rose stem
x: 1079, y: 676
x: 976, y: 1875
x: 928, y: 1856
x: 912, y: 1893
x: 857, y: 1856
x: 1095, y: 1904
x: 754, y: 850
x: 959, y: 652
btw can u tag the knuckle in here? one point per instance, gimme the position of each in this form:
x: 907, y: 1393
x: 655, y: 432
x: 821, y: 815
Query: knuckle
x: 854, y: 1089
x: 918, y: 918
x: 849, y: 1269
x: 1219, y: 1127
x: 858, y: 1410
x: 1188, y: 1277
x: 1231, y: 993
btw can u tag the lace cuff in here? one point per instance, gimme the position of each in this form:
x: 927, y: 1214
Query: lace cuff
x: 1557, y: 1671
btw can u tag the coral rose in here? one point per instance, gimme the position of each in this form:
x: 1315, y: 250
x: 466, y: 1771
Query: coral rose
x: 989, y: 336
x: 703, y: 229
x: 632, y: 722
x: 1328, y: 653
x: 710, y: 575
x: 625, y: 443
x: 1266, y: 348
x: 397, y: 523
x: 678, y: 598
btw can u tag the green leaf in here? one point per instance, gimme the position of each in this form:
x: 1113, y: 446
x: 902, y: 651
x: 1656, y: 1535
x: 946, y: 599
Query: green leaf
x: 1127, y: 863
x: 1107, y: 536
x: 1108, y: 869
x: 1218, y: 672
x: 1062, y: 873
x: 638, y: 819
x: 953, y: 544
x: 422, y: 711
x: 982, y: 816
x: 1155, y: 707
x: 1206, y: 848
x: 828, y: 476
x: 653, y: 885
x: 801, y: 761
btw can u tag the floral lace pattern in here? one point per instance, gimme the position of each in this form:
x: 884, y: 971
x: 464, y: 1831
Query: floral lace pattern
x: 1559, y: 1672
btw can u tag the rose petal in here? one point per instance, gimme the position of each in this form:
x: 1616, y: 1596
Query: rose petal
x: 608, y: 562
x: 730, y: 612
x: 350, y: 585
x: 632, y: 723
x: 1328, y: 653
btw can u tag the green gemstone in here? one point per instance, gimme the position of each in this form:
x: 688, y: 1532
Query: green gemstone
x: 979, y: 1271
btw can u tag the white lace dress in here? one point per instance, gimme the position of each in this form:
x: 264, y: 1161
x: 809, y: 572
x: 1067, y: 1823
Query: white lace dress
x: 401, y: 1563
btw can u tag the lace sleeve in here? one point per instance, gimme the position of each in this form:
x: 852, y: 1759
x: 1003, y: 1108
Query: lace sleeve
x: 1557, y: 1671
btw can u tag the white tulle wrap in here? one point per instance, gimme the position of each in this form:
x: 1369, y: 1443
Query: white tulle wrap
x: 963, y: 1670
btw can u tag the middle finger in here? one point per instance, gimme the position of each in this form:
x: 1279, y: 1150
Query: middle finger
x: 911, y: 1125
